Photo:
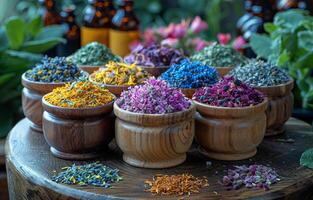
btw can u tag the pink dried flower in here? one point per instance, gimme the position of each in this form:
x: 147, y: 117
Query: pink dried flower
x: 149, y: 36
x: 170, y: 42
x: 154, y: 97
x: 198, y: 25
x: 224, y: 38
x: 239, y: 43
x: 199, y: 44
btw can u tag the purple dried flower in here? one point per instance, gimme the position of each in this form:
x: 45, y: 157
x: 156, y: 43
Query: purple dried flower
x: 154, y: 97
x: 258, y: 176
x: 154, y: 56
x: 229, y: 92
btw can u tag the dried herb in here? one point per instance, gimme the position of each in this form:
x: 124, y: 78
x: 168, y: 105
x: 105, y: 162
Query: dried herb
x: 81, y: 94
x: 253, y: 176
x: 94, y: 174
x: 258, y: 73
x: 154, y: 97
x: 217, y: 55
x: 183, y: 184
x: 154, y: 56
x: 229, y: 92
x: 93, y: 54
x: 55, y: 70
x: 116, y: 73
x: 189, y: 74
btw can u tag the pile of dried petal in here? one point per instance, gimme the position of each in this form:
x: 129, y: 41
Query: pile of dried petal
x: 183, y: 184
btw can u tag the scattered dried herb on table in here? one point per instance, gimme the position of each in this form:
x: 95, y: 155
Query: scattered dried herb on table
x: 93, y: 174
x: 93, y: 54
x: 154, y: 97
x: 55, y: 70
x: 182, y: 184
x: 154, y: 56
x: 79, y: 95
x: 253, y: 176
x: 217, y: 55
x: 229, y: 92
x: 116, y: 73
x: 258, y: 73
x: 189, y: 74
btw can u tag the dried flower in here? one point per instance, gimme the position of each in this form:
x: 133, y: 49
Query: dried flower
x: 154, y: 56
x: 189, y: 74
x: 239, y: 43
x: 258, y: 176
x: 183, y: 184
x: 229, y: 92
x: 198, y: 25
x: 224, y: 38
x: 258, y: 73
x: 81, y: 94
x: 116, y: 73
x: 154, y: 97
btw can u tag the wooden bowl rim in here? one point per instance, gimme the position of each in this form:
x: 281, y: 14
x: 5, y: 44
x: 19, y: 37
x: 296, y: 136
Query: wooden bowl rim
x: 153, y: 67
x: 287, y: 84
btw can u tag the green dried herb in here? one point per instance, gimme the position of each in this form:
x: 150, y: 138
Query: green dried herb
x: 94, y: 174
x: 306, y: 159
x: 93, y: 54
x: 217, y: 55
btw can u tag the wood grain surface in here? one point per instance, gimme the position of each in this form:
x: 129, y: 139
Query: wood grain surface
x: 224, y: 70
x: 30, y: 166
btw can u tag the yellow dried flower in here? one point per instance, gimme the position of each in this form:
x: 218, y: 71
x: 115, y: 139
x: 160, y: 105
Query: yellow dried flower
x: 81, y: 94
x: 117, y: 73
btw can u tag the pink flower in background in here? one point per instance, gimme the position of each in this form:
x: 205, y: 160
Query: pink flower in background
x: 180, y: 29
x: 199, y: 43
x: 198, y: 25
x: 224, y: 38
x: 239, y: 43
x: 149, y: 37
x: 134, y: 44
x: 170, y: 41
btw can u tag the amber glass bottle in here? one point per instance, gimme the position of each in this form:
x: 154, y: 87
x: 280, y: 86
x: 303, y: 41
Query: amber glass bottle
x: 72, y: 34
x: 49, y: 12
x: 96, y: 23
x: 124, y: 28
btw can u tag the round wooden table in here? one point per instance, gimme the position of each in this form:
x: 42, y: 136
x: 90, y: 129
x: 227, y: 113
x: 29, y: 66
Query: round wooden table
x: 30, y: 166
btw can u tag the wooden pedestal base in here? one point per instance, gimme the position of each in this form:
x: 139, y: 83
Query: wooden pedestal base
x: 227, y: 156
x: 72, y: 156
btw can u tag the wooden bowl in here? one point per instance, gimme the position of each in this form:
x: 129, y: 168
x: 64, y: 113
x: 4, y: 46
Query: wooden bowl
x: 230, y: 133
x: 223, y: 70
x: 279, y: 108
x: 115, y: 89
x: 188, y: 92
x: 155, y: 71
x: 77, y: 133
x: 89, y: 69
x: 154, y: 140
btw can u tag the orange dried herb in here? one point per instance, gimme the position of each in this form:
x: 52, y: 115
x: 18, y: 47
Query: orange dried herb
x: 79, y: 95
x: 117, y: 73
x: 182, y: 184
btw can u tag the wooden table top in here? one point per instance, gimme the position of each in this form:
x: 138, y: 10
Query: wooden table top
x: 30, y: 166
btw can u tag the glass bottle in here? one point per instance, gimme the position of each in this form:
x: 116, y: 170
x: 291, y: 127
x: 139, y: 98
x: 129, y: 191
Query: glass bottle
x: 49, y: 12
x: 111, y: 9
x: 243, y: 19
x: 289, y: 4
x: 124, y: 28
x: 72, y: 34
x: 96, y: 23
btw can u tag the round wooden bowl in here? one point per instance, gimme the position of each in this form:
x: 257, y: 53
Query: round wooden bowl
x: 188, y: 92
x: 114, y: 89
x: 154, y: 140
x: 77, y: 133
x: 223, y: 70
x: 230, y: 133
x: 89, y: 69
x: 155, y: 71
x: 279, y: 108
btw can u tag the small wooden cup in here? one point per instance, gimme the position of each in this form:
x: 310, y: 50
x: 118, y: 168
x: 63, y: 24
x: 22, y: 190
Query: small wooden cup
x: 279, y: 108
x: 154, y: 140
x: 89, y: 69
x: 223, y: 71
x: 155, y: 71
x: 115, y: 89
x: 77, y: 133
x: 188, y: 92
x: 32, y: 94
x: 230, y: 133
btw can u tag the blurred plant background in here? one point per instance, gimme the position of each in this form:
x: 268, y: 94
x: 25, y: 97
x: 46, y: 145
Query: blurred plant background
x: 16, y: 34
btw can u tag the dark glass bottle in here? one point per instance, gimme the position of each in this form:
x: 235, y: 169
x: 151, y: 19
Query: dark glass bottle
x: 49, y: 12
x: 96, y: 22
x: 111, y: 9
x: 289, y: 4
x: 243, y: 19
x: 72, y: 34
x: 124, y: 28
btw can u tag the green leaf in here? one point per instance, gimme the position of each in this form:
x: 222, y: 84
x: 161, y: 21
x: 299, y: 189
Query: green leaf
x: 34, y: 26
x: 3, y: 40
x: 305, y: 61
x: 5, y: 78
x: 270, y: 27
x: 306, y: 159
x: 52, y: 31
x: 15, y: 31
x: 305, y: 39
x: 283, y: 58
x: 39, y: 46
x: 261, y: 45
x: 290, y: 19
